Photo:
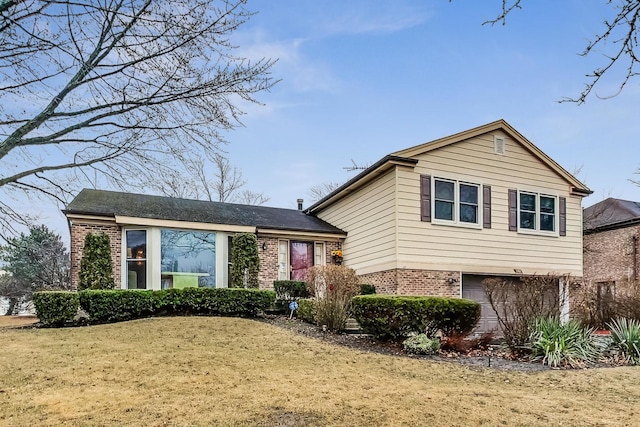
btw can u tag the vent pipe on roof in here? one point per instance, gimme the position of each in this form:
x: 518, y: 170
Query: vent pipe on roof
x: 300, y: 204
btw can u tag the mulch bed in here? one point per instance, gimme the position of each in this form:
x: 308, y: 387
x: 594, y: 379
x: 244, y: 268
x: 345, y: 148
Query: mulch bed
x: 497, y: 358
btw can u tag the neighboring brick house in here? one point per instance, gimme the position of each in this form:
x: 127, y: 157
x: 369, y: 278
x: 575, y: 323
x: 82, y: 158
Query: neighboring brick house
x: 611, y: 233
x: 161, y: 242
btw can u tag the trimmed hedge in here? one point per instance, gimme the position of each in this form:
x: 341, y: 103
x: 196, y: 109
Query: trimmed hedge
x: 307, y: 310
x: 103, y: 306
x: 55, y: 308
x: 396, y: 317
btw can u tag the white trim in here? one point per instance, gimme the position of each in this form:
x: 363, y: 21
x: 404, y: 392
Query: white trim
x: 323, y: 253
x: 285, y: 234
x: 163, y: 223
x: 563, y: 293
x: 284, y: 264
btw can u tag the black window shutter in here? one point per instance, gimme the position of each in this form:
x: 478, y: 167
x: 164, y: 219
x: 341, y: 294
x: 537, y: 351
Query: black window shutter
x: 513, y: 210
x: 425, y: 198
x: 486, y: 206
x: 563, y: 215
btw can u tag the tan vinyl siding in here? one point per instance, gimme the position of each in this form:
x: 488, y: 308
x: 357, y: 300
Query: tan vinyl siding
x: 495, y: 250
x: 369, y: 217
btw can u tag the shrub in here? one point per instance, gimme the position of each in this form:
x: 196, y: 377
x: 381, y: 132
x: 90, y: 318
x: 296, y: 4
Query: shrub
x: 396, y: 317
x: 245, y: 261
x: 462, y: 343
x: 289, y: 290
x: 421, y: 344
x: 333, y: 286
x: 625, y: 339
x: 307, y: 310
x: 594, y: 304
x: 366, y: 289
x: 96, y: 270
x: 119, y: 305
x: 518, y: 302
x: 569, y: 344
x: 55, y: 308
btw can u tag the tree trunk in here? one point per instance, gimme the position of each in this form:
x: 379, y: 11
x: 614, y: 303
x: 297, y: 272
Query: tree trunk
x: 12, y: 305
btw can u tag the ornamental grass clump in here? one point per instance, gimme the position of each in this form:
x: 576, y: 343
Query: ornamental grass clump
x: 567, y: 345
x: 625, y: 339
x: 333, y: 287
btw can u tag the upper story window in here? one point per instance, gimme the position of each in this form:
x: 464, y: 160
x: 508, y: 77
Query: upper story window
x: 457, y: 202
x: 537, y: 212
x: 449, y: 201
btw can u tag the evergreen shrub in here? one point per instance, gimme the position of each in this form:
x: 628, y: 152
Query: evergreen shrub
x: 397, y: 317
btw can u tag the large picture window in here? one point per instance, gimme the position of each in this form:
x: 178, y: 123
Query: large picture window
x: 456, y: 202
x: 537, y: 212
x: 188, y: 259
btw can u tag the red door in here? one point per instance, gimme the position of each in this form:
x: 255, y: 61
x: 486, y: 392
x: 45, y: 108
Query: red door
x: 301, y: 259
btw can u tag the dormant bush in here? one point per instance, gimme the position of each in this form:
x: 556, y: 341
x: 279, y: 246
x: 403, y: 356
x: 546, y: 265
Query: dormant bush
x: 332, y: 286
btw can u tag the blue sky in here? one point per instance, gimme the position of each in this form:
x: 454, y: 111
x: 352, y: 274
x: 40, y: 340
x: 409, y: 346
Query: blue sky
x: 361, y: 79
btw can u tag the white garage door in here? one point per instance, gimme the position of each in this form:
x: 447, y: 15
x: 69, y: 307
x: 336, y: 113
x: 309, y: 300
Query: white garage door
x: 472, y: 289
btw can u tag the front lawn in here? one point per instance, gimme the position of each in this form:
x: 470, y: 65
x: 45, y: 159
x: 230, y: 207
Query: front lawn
x: 239, y: 372
x: 17, y: 320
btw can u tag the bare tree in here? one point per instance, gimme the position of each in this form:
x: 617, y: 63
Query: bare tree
x: 618, y: 41
x: 317, y: 192
x: 248, y: 197
x: 228, y: 179
x: 116, y: 89
x: 212, y: 179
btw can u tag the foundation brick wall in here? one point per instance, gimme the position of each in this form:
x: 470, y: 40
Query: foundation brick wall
x: 386, y: 282
x: 78, y: 232
x: 415, y: 282
x: 429, y: 282
x: 609, y: 255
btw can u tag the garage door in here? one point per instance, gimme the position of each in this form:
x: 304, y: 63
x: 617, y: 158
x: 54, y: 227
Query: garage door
x: 472, y: 289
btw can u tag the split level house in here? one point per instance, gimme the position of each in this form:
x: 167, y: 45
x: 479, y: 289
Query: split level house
x: 434, y: 219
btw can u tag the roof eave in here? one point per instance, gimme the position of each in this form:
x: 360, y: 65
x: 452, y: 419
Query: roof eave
x: 379, y: 167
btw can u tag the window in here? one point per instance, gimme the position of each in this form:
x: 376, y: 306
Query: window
x: 188, y: 259
x: 136, y: 241
x: 537, y: 212
x: 456, y: 202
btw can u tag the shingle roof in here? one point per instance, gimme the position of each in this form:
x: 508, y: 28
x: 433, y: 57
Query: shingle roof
x: 611, y: 213
x: 112, y: 203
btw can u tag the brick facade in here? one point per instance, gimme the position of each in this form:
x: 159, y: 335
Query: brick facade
x: 268, y: 262
x: 269, y: 259
x: 78, y: 233
x: 609, y: 255
x: 415, y: 282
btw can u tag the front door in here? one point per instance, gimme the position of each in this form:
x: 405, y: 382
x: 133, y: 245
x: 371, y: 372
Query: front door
x: 301, y: 259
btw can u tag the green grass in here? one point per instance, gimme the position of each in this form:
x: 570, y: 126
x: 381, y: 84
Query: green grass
x: 237, y: 372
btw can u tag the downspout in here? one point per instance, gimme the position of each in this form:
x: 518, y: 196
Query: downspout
x: 635, y: 257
